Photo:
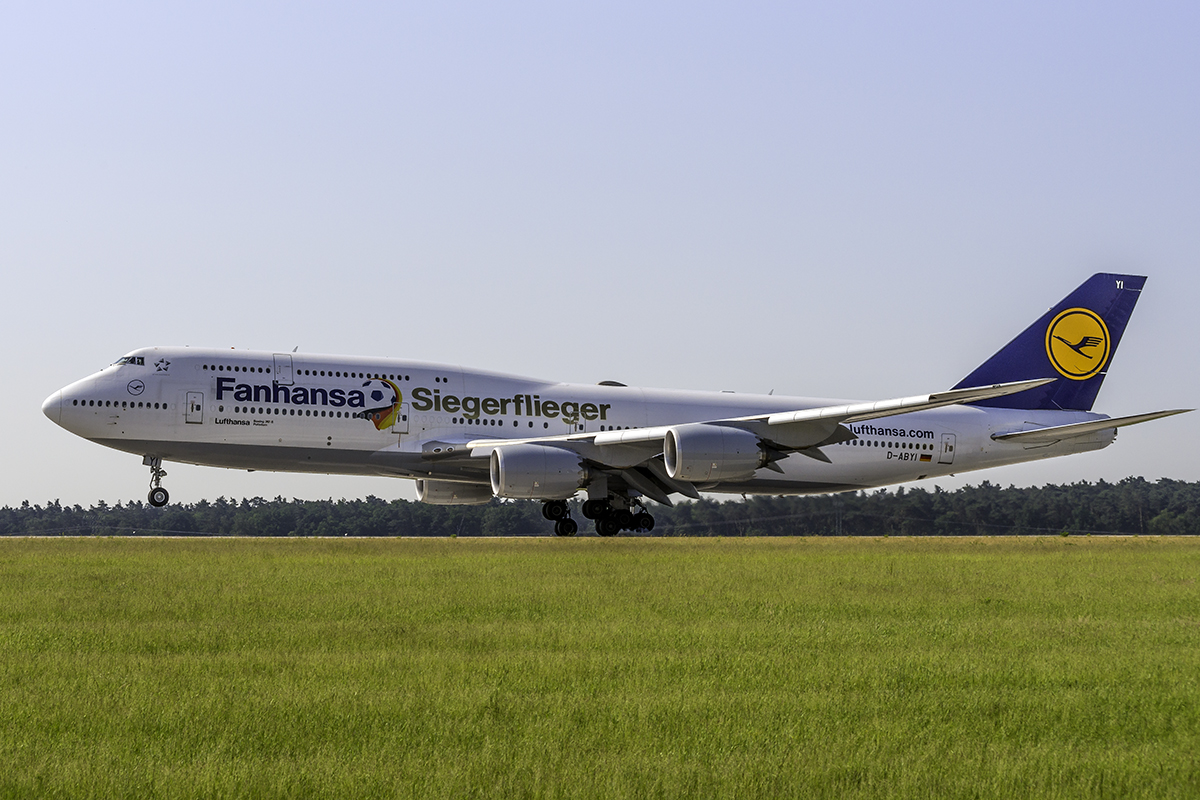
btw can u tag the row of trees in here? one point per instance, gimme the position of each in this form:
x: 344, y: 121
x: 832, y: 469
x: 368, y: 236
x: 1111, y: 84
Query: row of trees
x: 1133, y: 506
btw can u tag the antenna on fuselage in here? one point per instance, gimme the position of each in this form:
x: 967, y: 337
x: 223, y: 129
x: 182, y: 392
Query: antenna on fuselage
x: 294, y: 349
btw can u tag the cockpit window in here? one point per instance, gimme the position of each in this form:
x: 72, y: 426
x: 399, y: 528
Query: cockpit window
x: 136, y: 360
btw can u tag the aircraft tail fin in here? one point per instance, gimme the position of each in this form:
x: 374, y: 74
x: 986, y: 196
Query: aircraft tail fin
x: 1074, y: 342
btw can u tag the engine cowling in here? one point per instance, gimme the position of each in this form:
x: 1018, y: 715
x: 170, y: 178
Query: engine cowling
x: 536, y: 472
x: 708, y: 453
x: 448, y: 493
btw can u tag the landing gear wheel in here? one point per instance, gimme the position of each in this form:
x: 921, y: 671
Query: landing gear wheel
x: 624, y: 519
x: 158, y: 496
x: 608, y: 525
x: 565, y: 527
x: 555, y: 509
x: 643, y: 522
x: 594, y: 509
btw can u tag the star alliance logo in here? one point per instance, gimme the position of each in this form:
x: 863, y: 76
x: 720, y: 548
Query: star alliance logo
x: 161, y: 365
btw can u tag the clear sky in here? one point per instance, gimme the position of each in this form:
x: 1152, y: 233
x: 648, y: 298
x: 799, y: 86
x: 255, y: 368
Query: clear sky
x: 846, y: 200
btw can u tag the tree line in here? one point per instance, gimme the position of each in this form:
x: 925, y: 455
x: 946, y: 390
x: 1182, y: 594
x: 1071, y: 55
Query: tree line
x: 1132, y: 506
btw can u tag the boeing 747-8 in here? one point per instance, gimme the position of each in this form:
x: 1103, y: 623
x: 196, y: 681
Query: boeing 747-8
x: 468, y: 435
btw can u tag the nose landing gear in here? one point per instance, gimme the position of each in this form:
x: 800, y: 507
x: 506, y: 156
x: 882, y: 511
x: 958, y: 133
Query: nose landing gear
x: 158, y: 496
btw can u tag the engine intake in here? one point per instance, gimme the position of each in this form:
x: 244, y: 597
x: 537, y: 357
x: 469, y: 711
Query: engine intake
x: 536, y: 472
x: 707, y: 453
x: 448, y: 493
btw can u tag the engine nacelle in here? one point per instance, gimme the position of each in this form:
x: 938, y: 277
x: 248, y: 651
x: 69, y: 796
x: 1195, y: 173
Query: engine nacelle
x: 536, y: 472
x: 448, y: 493
x: 708, y: 453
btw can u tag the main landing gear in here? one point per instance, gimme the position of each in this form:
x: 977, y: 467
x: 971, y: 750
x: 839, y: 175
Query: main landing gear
x: 158, y: 496
x: 612, y: 520
x: 560, y: 513
x: 611, y: 515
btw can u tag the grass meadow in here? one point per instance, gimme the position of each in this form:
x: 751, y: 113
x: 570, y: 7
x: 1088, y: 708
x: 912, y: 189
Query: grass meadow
x: 890, y: 668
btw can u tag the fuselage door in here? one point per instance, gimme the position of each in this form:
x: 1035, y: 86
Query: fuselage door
x: 946, y: 456
x: 283, y: 369
x: 400, y: 425
x: 195, y: 408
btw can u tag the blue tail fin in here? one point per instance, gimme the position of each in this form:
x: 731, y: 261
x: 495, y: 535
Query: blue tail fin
x: 1074, y: 342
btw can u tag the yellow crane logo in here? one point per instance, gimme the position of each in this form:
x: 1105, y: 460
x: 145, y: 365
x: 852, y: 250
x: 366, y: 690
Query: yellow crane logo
x: 1077, y: 343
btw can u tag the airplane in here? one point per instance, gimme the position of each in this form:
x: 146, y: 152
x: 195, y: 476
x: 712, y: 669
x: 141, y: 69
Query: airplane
x: 467, y: 435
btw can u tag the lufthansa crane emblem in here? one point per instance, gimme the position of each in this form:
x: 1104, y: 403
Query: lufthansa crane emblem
x: 1077, y: 343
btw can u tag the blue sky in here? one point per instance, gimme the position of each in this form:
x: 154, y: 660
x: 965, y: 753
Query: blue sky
x: 851, y: 201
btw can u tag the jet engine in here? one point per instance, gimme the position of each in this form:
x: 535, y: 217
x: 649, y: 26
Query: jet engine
x: 448, y: 493
x: 708, y: 453
x: 536, y: 472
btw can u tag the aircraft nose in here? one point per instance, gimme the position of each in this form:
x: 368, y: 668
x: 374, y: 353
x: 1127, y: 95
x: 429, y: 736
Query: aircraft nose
x: 52, y: 407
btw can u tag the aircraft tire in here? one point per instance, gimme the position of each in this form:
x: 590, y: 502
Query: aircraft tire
x: 555, y: 509
x: 643, y: 521
x: 594, y: 509
x: 608, y: 525
x: 624, y: 519
x: 565, y: 527
x: 158, y: 497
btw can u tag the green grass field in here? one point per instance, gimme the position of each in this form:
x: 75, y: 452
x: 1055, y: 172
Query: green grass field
x: 1048, y: 667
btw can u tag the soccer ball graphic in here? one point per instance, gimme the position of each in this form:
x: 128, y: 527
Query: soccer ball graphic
x: 380, y: 395
x: 382, y: 402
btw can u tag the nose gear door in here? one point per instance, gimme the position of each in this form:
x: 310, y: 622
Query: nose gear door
x: 195, y: 407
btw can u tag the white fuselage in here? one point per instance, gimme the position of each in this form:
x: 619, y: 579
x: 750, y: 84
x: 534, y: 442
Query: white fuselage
x: 314, y: 413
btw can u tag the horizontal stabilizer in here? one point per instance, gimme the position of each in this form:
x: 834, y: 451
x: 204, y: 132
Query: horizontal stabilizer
x: 1059, y: 432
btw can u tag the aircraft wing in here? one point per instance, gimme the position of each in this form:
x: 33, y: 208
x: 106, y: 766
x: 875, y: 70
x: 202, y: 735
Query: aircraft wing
x: 798, y: 430
x: 1057, y: 433
x: 789, y: 430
